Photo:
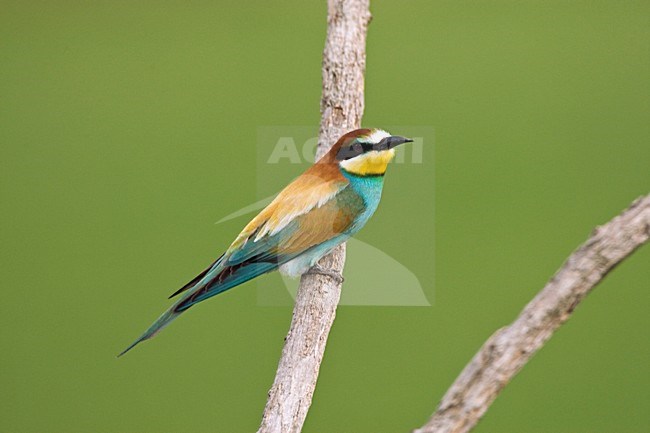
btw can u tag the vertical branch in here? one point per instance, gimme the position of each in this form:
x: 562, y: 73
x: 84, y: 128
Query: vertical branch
x: 342, y: 102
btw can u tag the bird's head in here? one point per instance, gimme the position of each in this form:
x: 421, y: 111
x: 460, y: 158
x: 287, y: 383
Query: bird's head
x: 366, y: 152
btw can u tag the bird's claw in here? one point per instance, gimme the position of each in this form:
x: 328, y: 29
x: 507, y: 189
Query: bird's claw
x: 319, y: 270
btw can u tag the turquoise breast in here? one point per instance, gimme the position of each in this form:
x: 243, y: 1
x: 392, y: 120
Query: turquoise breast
x: 368, y: 188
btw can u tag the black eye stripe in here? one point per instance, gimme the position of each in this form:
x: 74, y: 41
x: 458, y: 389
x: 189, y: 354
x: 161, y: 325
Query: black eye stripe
x: 355, y: 149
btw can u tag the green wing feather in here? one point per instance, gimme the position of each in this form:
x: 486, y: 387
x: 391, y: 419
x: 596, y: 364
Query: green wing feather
x: 252, y: 255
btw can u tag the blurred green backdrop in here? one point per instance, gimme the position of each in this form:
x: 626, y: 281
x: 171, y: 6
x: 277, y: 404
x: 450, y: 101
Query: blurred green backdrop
x: 128, y: 128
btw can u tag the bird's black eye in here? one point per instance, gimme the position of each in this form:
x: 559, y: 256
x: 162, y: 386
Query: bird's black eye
x: 355, y: 149
x: 350, y: 151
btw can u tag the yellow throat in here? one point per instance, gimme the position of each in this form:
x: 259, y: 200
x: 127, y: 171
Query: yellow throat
x: 369, y: 163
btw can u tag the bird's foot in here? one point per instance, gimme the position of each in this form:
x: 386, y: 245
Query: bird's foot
x: 319, y: 270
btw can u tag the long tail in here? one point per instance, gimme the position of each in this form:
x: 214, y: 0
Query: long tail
x: 210, y: 285
x: 165, y: 319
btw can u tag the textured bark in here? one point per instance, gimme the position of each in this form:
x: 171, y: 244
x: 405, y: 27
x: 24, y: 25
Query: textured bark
x: 344, y: 63
x: 509, y: 348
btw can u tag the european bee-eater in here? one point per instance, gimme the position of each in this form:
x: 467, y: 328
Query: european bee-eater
x: 331, y: 201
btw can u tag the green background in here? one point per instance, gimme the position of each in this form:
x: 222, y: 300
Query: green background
x: 128, y: 128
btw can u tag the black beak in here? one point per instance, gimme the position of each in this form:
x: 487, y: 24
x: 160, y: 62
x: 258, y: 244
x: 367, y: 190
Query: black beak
x: 391, y: 142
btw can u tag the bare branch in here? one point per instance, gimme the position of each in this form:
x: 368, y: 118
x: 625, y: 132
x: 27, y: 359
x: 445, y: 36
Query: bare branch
x: 344, y: 63
x: 509, y: 348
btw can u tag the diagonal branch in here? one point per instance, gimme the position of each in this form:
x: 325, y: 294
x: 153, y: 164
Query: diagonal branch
x: 508, y: 349
x: 344, y: 63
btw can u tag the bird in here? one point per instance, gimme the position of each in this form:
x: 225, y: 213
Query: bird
x: 323, y: 207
